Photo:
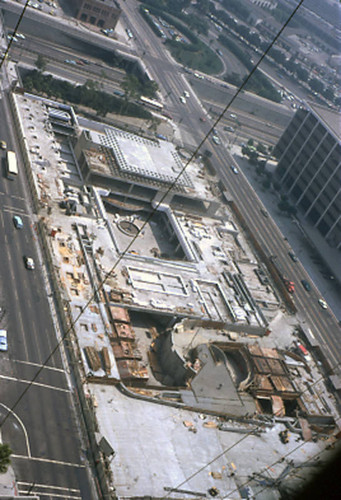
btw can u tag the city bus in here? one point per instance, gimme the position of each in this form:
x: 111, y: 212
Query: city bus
x: 151, y: 103
x: 11, y: 165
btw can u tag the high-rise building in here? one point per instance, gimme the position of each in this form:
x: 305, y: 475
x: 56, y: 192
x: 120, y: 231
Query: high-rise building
x: 309, y: 169
x: 102, y: 13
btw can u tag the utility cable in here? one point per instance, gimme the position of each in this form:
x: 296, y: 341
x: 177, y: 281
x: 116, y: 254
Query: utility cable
x: 14, y: 33
x: 268, y: 467
x: 100, y: 286
x: 245, y: 436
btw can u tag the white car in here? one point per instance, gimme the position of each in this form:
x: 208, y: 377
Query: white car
x: 186, y: 94
x: 183, y: 99
x: 323, y: 303
x: 3, y: 340
x: 29, y: 263
x: 216, y: 139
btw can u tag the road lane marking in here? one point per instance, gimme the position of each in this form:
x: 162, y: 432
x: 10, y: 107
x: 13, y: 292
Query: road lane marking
x: 46, y: 386
x: 39, y: 365
x: 49, y: 461
x: 65, y: 488
x: 67, y: 496
x: 23, y: 427
x: 14, y: 209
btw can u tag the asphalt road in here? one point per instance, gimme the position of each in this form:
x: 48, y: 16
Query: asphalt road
x: 32, y: 342
x: 173, y: 82
x: 42, y: 429
x: 263, y: 120
x: 323, y: 324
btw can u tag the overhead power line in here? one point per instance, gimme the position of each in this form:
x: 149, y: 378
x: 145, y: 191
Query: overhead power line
x: 152, y: 213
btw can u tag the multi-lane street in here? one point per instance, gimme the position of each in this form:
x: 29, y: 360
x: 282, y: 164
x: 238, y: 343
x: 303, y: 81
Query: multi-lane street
x: 42, y: 428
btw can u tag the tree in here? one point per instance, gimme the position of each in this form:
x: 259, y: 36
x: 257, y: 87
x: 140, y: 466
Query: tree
x: 266, y: 183
x: 329, y: 94
x: 5, y: 454
x: 316, y: 85
x: 292, y: 210
x: 150, y: 88
x: 203, y: 6
x: 276, y: 186
x: 41, y: 63
x: 261, y: 148
x: 283, y: 205
x: 130, y: 85
x: 302, y: 74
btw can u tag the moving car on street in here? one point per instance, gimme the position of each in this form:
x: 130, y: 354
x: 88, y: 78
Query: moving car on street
x: 29, y: 262
x: 17, y: 221
x: 3, y: 340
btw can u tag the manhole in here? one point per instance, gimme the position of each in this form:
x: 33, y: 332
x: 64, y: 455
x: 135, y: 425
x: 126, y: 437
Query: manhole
x: 128, y: 228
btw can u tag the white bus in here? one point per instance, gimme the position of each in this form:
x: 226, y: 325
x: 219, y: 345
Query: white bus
x: 11, y: 165
x: 152, y: 103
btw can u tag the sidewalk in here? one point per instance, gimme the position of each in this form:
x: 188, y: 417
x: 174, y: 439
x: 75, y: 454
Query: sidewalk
x: 8, y: 486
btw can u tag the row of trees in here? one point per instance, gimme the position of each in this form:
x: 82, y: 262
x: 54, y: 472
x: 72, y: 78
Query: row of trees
x: 258, y: 83
x: 88, y: 95
x: 279, y: 56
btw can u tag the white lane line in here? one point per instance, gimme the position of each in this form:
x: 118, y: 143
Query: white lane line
x: 48, y: 494
x: 46, y: 386
x: 46, y: 367
x: 73, y: 490
x: 49, y: 461
x: 14, y: 209
x: 22, y: 426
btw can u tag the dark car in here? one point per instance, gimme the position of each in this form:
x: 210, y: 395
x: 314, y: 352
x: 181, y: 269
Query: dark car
x: 306, y: 285
x: 293, y: 256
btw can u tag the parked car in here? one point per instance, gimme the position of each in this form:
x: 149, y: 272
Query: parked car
x: 161, y: 136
